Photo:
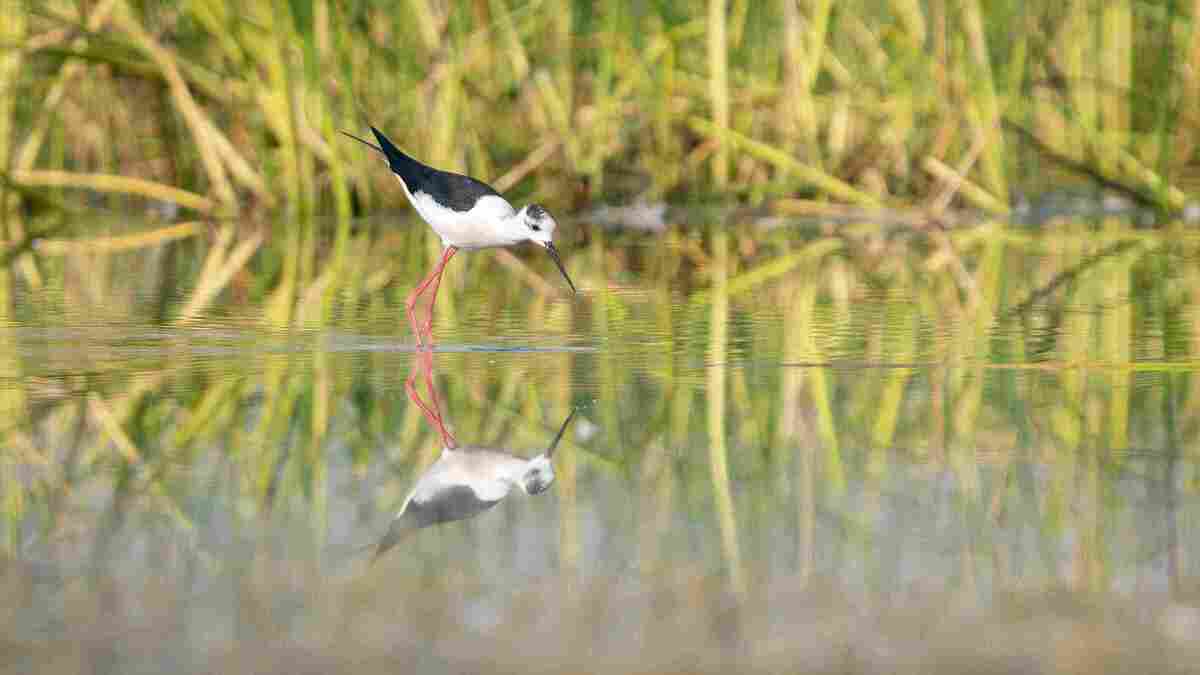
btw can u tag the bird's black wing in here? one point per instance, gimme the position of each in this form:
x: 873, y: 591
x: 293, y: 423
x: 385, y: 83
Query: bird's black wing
x: 455, y: 191
x: 452, y: 190
x: 454, y: 503
x: 457, y: 502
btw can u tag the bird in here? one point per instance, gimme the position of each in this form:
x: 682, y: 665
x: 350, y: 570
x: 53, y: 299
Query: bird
x: 466, y: 214
x: 466, y: 481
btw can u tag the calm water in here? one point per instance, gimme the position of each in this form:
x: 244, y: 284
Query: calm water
x: 845, y: 451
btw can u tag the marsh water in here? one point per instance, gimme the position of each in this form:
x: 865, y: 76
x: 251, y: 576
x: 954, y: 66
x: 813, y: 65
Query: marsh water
x: 843, y: 447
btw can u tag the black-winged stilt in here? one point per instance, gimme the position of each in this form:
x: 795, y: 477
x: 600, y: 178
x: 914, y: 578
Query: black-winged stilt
x: 467, y: 481
x: 465, y: 213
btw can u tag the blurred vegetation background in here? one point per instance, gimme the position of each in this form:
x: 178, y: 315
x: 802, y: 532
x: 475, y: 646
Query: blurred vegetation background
x: 229, y: 109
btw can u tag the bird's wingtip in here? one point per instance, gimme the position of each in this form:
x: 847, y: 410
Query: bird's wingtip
x: 398, y: 529
x: 364, y: 141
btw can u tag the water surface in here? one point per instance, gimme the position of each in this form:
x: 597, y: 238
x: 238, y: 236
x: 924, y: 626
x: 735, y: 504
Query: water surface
x: 844, y: 447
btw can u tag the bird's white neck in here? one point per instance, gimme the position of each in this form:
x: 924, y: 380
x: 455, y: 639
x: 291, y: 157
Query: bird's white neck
x: 514, y: 473
x: 504, y: 468
x: 511, y: 229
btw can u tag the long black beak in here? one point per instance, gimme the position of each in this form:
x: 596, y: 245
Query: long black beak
x: 558, y: 261
x: 558, y: 437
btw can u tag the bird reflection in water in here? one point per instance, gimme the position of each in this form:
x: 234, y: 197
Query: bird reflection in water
x: 466, y: 480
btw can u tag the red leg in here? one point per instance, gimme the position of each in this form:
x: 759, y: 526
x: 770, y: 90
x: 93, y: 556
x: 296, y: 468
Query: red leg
x: 427, y: 328
x: 411, y: 305
x: 434, y: 277
x: 437, y: 283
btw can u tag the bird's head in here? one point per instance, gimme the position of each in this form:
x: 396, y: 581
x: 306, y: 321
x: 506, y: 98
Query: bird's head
x: 539, y: 471
x: 538, y: 476
x: 538, y: 222
x: 539, y: 228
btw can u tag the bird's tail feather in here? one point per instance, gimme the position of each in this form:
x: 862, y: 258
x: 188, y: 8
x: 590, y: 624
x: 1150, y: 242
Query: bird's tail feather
x: 396, y: 532
x: 351, y: 554
x: 408, y: 169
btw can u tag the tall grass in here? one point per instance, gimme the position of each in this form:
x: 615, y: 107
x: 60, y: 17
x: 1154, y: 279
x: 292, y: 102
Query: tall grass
x: 859, y: 94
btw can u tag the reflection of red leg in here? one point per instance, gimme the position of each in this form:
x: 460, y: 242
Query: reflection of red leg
x: 433, y: 414
x: 415, y: 397
x: 427, y: 362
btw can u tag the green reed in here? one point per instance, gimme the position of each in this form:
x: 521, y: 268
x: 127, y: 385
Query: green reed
x: 844, y: 102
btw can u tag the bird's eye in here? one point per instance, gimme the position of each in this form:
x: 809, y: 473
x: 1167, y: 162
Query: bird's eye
x: 536, y: 228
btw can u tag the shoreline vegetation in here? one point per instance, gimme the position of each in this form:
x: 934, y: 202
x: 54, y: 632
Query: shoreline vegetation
x: 229, y: 110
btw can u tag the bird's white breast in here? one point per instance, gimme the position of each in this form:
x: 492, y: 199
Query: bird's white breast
x: 480, y: 227
x: 490, y: 475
